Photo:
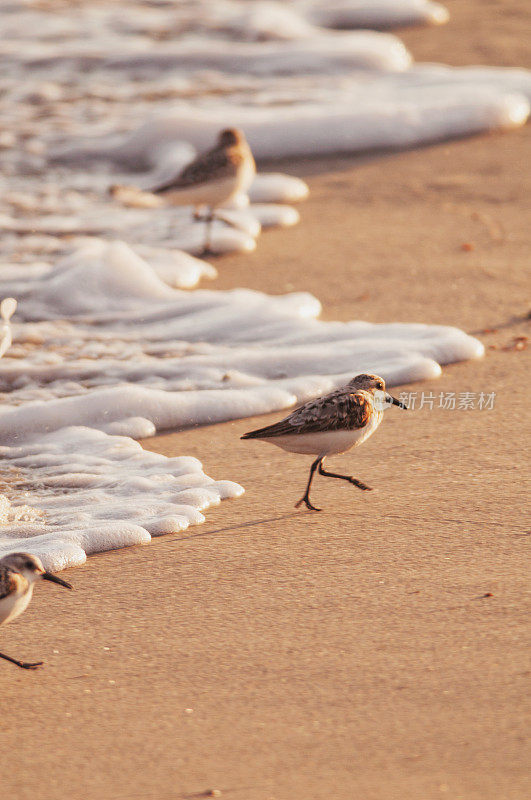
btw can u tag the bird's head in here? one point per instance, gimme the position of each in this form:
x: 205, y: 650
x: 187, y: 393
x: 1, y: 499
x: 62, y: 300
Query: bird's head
x: 230, y: 137
x: 376, y: 386
x: 31, y: 568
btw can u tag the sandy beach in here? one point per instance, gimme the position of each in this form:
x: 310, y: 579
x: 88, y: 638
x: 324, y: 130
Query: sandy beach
x: 377, y: 650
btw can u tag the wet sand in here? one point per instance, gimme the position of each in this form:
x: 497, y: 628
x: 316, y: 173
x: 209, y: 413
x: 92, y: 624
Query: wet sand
x: 377, y: 649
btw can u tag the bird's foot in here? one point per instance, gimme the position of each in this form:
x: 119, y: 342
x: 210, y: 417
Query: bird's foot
x: 21, y: 664
x: 360, y: 485
x: 309, y: 506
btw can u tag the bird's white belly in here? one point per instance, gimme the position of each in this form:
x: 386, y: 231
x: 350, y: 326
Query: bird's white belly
x: 326, y: 443
x: 210, y: 193
x: 14, y: 604
x: 246, y: 174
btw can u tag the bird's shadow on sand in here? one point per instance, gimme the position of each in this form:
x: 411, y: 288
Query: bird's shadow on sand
x: 239, y: 526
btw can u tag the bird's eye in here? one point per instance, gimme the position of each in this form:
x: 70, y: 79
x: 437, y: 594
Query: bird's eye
x: 379, y: 385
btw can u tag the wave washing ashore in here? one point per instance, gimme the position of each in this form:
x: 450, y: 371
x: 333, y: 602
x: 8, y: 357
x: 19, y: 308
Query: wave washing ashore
x: 107, y: 345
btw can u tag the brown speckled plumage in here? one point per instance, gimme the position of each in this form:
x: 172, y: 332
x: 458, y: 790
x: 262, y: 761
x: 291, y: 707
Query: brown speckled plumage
x: 342, y: 409
x: 10, y: 581
x: 221, y: 162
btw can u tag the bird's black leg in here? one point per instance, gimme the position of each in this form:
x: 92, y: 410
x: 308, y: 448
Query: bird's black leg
x: 348, y: 478
x: 209, y: 218
x: 23, y: 664
x: 209, y: 221
x: 306, y: 496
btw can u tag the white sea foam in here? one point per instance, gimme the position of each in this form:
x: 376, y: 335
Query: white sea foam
x: 78, y: 491
x: 327, y: 53
x: 118, y: 344
x: 391, y: 111
x: 185, y: 70
x: 174, y: 267
x: 375, y: 13
x: 273, y: 187
x: 264, y: 19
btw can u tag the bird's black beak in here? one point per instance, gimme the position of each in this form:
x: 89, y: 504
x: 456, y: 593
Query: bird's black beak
x: 396, y: 402
x: 49, y: 576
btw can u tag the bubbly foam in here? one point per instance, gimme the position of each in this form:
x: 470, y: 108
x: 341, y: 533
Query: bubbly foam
x: 118, y: 346
x: 376, y: 13
x: 79, y: 491
x: 362, y: 112
x: 159, y: 81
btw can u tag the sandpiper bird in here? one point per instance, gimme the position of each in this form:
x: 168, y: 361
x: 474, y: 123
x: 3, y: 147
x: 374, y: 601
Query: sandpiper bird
x: 331, y: 424
x: 18, y: 573
x: 213, y: 178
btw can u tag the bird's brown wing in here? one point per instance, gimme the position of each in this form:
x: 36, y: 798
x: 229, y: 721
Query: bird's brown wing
x: 339, y: 410
x: 8, y: 582
x: 215, y: 165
